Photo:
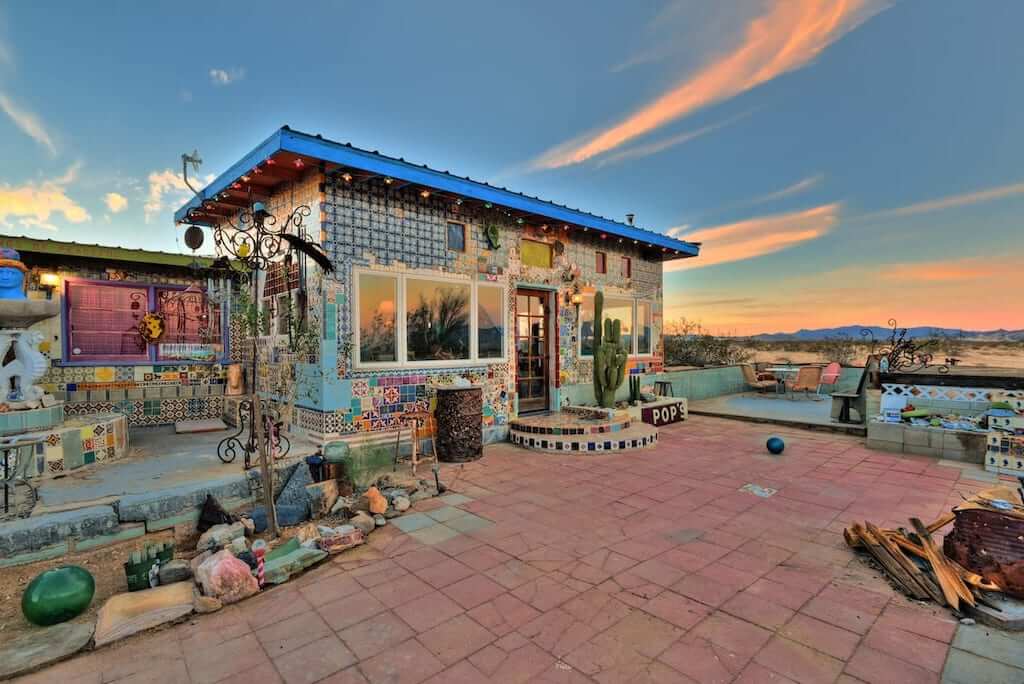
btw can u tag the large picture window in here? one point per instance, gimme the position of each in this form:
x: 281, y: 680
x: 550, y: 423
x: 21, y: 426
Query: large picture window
x: 636, y: 316
x: 102, y: 322
x: 421, y: 320
x: 378, y: 299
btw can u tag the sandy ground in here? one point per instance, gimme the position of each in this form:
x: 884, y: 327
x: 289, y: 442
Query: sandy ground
x: 982, y: 356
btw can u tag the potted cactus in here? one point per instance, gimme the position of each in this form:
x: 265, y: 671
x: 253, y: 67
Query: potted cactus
x: 609, y: 356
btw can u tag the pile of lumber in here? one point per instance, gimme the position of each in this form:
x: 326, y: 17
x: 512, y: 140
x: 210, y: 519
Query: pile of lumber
x: 915, y: 564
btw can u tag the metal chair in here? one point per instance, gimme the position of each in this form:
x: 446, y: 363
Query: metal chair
x: 807, y: 380
x: 762, y: 382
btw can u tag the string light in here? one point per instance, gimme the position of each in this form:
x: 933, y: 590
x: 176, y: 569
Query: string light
x: 424, y: 194
x: 388, y: 180
x: 299, y: 163
x: 245, y: 179
x: 347, y: 177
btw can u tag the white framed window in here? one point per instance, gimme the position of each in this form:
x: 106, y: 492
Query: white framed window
x: 636, y: 315
x: 420, y: 320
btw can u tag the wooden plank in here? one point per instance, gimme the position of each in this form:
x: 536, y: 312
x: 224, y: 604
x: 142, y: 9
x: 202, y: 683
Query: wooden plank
x: 891, y: 567
x: 934, y: 526
x: 953, y: 587
x: 923, y: 581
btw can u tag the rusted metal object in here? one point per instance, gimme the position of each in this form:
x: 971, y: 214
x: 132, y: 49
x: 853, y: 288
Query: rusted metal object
x: 991, y: 543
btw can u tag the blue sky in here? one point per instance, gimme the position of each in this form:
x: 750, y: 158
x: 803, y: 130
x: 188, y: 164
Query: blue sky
x: 842, y: 162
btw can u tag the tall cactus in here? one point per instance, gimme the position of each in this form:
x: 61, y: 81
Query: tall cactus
x: 609, y: 356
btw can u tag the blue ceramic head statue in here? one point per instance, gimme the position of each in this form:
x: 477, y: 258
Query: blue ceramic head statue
x: 12, y: 274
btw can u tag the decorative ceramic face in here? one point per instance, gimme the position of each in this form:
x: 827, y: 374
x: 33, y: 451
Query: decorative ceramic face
x: 151, y: 327
x: 12, y: 275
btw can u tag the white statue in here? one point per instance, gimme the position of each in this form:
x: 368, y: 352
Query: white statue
x: 28, y: 366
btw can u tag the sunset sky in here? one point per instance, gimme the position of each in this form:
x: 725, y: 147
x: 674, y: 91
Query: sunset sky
x: 842, y: 161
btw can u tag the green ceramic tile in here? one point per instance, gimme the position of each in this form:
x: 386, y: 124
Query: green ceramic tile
x: 72, y: 442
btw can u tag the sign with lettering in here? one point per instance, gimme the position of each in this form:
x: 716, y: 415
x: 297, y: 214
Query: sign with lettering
x: 663, y: 414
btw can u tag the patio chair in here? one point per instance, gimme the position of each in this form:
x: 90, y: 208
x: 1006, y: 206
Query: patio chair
x: 830, y: 376
x: 807, y: 379
x: 762, y: 382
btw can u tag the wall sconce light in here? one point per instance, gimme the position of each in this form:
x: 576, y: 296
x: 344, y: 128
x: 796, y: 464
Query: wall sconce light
x: 575, y: 298
x: 48, y: 281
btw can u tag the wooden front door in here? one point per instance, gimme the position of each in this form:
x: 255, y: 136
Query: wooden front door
x: 532, y: 358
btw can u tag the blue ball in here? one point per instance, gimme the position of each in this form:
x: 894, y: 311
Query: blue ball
x: 775, y: 445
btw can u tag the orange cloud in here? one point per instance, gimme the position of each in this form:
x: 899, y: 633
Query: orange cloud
x: 757, y: 236
x: 963, y: 200
x: 789, y: 36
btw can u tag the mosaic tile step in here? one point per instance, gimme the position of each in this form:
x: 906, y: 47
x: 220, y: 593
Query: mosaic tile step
x: 639, y: 436
x: 570, y: 424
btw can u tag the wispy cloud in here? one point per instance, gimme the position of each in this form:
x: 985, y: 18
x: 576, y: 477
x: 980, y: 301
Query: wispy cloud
x: 787, y: 37
x: 29, y: 123
x: 648, y: 149
x: 797, y: 188
x: 116, y: 202
x: 949, y: 202
x: 223, y: 77
x: 758, y: 236
x: 166, y: 188
x: 33, y: 204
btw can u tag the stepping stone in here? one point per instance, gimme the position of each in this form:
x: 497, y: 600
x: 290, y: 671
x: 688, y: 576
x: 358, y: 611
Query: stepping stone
x: 40, y: 647
x: 126, y: 614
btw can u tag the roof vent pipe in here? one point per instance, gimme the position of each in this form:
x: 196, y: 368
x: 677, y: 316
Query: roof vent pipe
x: 629, y: 218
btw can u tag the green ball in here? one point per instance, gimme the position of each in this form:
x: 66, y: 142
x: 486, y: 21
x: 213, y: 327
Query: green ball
x: 58, y: 595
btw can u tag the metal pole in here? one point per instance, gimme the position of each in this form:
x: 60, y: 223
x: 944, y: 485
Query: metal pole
x: 266, y: 473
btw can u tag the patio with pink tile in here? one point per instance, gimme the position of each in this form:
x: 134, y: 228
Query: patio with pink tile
x: 646, y: 566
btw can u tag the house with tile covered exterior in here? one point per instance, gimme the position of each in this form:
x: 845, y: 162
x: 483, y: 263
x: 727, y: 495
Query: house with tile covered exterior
x: 438, y: 279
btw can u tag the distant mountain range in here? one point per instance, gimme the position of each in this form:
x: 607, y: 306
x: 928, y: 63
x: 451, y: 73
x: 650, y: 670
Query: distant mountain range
x: 854, y: 332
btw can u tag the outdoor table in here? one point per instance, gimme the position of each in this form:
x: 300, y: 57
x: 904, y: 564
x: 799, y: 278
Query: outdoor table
x: 784, y: 371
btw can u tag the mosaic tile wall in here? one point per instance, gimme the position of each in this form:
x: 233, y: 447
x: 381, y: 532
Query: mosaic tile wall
x: 146, y: 394
x: 80, y: 441
x: 398, y: 231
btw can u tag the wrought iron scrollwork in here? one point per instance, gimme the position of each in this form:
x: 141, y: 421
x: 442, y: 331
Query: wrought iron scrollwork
x: 233, y: 445
x: 901, y: 352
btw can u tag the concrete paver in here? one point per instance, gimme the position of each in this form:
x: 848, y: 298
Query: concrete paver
x: 647, y: 566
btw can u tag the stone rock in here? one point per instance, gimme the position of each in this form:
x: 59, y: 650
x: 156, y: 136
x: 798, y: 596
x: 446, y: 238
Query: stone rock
x: 376, y: 501
x: 401, y: 503
x: 286, y: 516
x: 40, y: 647
x: 380, y: 520
x: 363, y: 522
x: 344, y: 505
x: 238, y: 545
x: 198, y: 560
x: 126, y: 614
x: 250, y: 526
x: 322, y: 497
x: 176, y: 570
x: 227, y: 578
x: 205, y: 604
x: 966, y: 621
x: 249, y: 558
x: 421, y: 494
x: 278, y: 569
x: 219, y: 536
x: 294, y: 493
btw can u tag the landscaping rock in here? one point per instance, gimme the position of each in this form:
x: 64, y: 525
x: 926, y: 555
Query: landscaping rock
x: 198, y: 560
x: 219, y: 536
x: 344, y: 505
x: 380, y: 520
x: 126, y: 614
x: 363, y: 522
x: 376, y: 501
x: 278, y: 569
x: 41, y: 647
x: 401, y: 503
x: 238, y: 546
x: 205, y: 604
x: 294, y: 493
x: 286, y: 516
x: 175, y: 571
x: 322, y: 497
x: 225, y: 577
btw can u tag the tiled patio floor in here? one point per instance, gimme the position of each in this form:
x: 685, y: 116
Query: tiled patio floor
x: 638, y: 567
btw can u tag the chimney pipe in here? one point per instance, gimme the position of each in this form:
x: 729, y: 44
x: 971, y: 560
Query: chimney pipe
x: 629, y: 218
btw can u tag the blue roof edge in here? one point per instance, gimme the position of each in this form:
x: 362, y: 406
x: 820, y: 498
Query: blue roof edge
x: 346, y: 155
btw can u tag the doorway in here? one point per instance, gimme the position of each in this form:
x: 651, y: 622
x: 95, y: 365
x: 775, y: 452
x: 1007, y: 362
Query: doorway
x: 533, y: 359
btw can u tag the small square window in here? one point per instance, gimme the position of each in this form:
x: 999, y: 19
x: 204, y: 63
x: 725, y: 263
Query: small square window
x: 602, y: 262
x: 457, y: 236
x: 627, y: 267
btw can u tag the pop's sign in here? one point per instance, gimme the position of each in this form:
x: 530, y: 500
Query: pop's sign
x: 664, y: 414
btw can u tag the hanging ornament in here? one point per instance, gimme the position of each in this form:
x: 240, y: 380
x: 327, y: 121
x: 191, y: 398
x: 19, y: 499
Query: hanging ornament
x: 152, y: 327
x: 194, y: 237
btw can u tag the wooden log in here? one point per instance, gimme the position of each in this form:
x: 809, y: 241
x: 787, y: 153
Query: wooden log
x: 889, y: 564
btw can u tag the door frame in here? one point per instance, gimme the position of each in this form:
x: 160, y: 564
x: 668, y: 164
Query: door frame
x: 549, y: 297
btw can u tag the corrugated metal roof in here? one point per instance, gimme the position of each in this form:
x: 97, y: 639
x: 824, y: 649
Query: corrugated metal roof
x: 347, y: 156
x: 91, y: 251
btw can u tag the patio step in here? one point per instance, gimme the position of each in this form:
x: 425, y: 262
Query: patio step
x: 636, y: 436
